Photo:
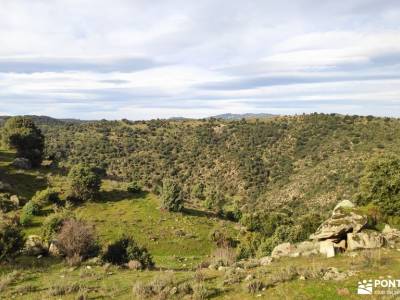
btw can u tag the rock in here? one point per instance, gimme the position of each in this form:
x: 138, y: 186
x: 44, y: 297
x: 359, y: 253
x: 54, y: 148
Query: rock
x: 308, y: 248
x: 327, y: 248
x: 392, y: 236
x: 284, y: 249
x: 14, y: 199
x: 265, y: 261
x: 338, y: 225
x: 22, y: 163
x: 212, y: 267
x: 135, y: 265
x: 53, y: 249
x: 34, y: 246
x: 366, y: 239
x: 94, y: 261
x: 248, y: 277
x: 222, y: 268
x: 334, y: 274
x: 346, y: 204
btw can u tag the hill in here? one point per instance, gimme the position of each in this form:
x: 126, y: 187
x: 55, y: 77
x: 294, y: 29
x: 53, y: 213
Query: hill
x: 248, y: 186
x: 236, y: 117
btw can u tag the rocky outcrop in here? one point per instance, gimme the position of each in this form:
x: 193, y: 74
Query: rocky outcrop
x: 391, y: 236
x: 344, y: 231
x: 285, y: 249
x: 338, y: 225
x: 367, y: 239
x: 22, y: 163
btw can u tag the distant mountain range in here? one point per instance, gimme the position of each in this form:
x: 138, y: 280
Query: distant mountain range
x: 229, y: 116
x: 45, y: 120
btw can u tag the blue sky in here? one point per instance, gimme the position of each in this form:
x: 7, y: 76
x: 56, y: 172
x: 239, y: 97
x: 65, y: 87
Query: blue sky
x: 137, y: 59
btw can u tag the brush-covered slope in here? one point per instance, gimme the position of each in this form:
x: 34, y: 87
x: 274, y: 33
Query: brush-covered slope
x: 303, y: 162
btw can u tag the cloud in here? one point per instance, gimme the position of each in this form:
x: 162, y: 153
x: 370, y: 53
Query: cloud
x: 136, y: 59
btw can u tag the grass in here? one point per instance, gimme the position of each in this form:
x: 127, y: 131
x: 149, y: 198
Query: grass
x: 47, y: 278
x: 178, y: 243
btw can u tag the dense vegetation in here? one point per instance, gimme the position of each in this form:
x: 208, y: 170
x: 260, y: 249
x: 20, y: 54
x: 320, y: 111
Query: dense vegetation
x: 143, y: 194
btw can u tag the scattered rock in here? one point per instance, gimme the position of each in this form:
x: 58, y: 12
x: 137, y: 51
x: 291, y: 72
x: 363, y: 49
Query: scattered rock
x: 14, y: 199
x: 34, y: 246
x: 334, y: 274
x: 366, y: 239
x: 265, y: 261
x: 53, y: 249
x: 22, y: 163
x: 248, y: 277
x: 94, y: 261
x: 284, y: 249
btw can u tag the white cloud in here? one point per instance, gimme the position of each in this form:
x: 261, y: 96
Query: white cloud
x: 140, y: 59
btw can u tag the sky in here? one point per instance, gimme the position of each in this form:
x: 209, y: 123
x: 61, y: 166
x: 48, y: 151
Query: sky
x: 141, y: 59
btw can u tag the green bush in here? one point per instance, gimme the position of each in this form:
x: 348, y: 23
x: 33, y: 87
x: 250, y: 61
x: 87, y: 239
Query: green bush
x: 84, y: 182
x: 11, y: 239
x: 171, y: 196
x: 134, y: 188
x: 47, y: 196
x: 29, y: 210
x: 21, y: 133
x: 125, y: 249
x: 52, y: 225
x: 380, y: 184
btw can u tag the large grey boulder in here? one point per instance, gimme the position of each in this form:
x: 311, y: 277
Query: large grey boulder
x: 338, y: 225
x: 327, y: 248
x: 22, y: 163
x: 367, y: 239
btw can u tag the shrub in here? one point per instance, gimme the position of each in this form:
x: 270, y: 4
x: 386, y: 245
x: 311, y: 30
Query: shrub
x: 124, y: 250
x: 29, y: 210
x: 11, y: 239
x: 134, y: 188
x: 84, y: 182
x: 21, y: 134
x: 52, y: 225
x: 224, y: 256
x: 380, y: 184
x: 6, y: 204
x: 171, y: 196
x: 77, y: 239
x: 47, y: 196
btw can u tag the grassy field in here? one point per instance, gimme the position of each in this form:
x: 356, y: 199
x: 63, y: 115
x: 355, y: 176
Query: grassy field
x: 47, y: 278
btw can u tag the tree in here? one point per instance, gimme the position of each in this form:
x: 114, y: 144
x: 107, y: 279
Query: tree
x: 125, y: 249
x: 380, y: 184
x: 171, y: 196
x: 77, y: 240
x: 84, y: 182
x: 21, y: 134
x: 11, y: 239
